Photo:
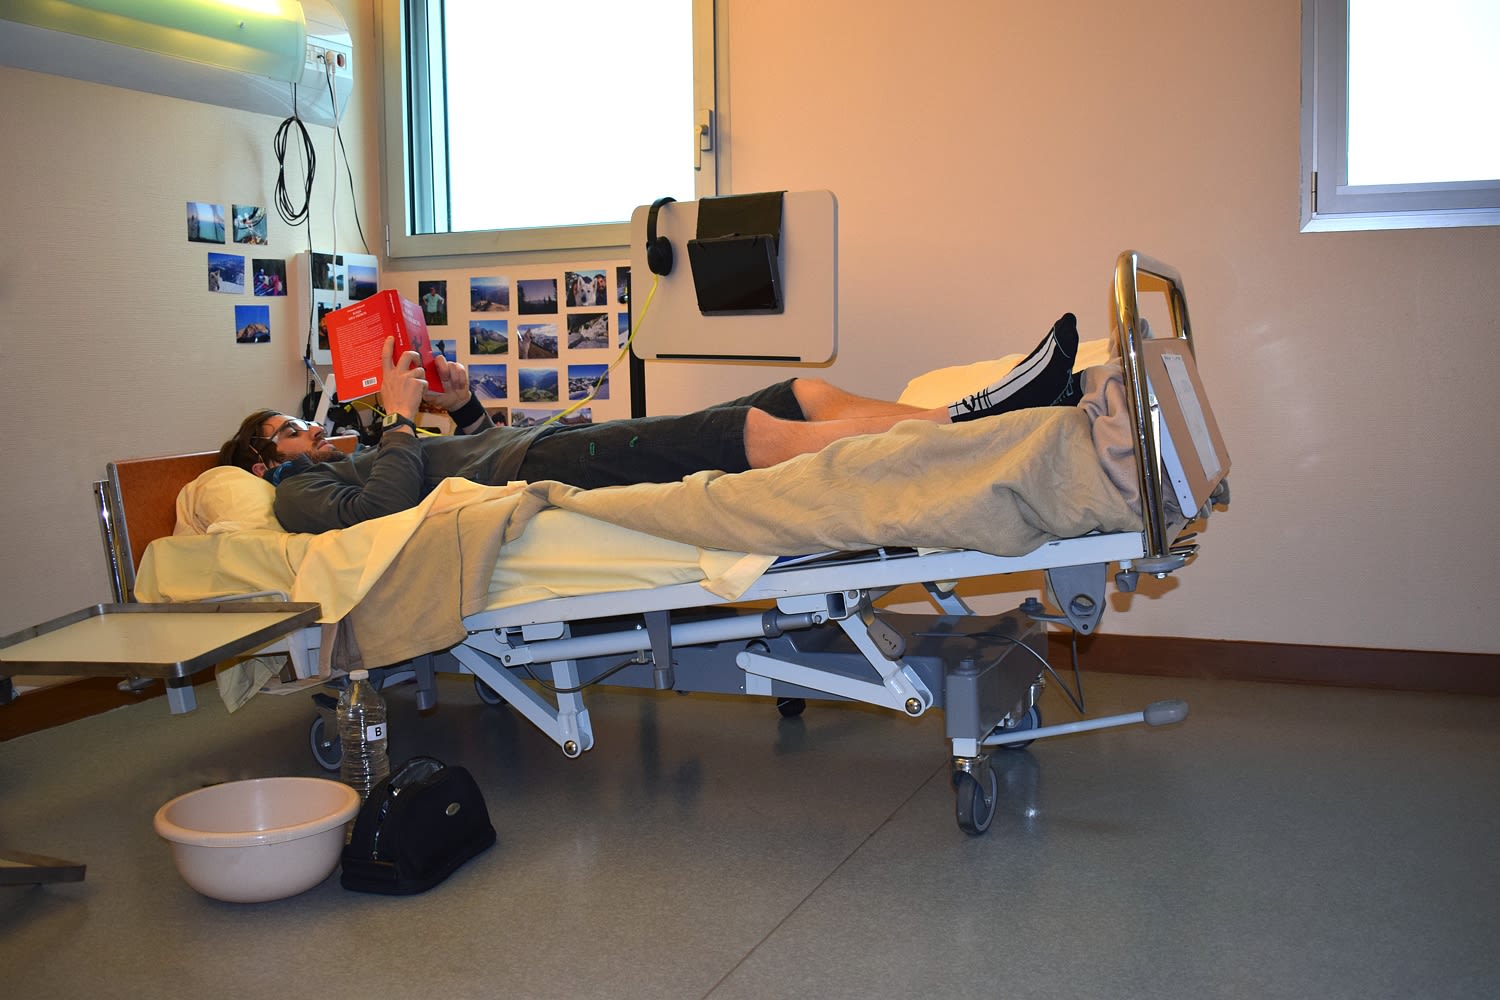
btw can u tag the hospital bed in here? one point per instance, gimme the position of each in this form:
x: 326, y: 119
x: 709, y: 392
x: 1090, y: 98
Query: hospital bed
x: 805, y: 626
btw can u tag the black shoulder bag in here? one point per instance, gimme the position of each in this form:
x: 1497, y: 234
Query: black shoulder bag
x: 416, y: 828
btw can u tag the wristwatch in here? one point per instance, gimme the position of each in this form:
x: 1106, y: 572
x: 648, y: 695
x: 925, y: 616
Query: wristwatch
x: 397, y: 420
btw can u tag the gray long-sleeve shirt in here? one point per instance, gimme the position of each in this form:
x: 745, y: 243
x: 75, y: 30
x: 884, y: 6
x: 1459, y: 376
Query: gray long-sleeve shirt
x: 393, y: 476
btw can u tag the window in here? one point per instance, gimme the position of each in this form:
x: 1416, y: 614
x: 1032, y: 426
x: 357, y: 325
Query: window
x: 1399, y: 104
x: 517, y: 125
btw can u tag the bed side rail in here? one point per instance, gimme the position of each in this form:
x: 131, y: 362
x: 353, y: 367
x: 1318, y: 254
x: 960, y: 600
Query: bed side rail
x: 1134, y: 273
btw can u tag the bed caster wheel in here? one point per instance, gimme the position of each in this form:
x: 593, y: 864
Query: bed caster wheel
x: 977, y: 794
x: 486, y: 693
x: 326, y: 748
x: 791, y: 708
x: 1032, y: 719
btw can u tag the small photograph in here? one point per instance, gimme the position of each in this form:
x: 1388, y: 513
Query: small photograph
x: 328, y: 272
x: 226, y: 273
x: 205, y: 222
x: 270, y: 275
x: 489, y: 382
x: 536, y: 385
x: 536, y: 295
x: 433, y: 295
x: 622, y: 285
x: 489, y: 336
x: 588, y: 331
x: 529, y: 417
x: 447, y: 348
x: 252, y: 324
x: 499, y: 414
x: 583, y: 378
x: 363, y: 281
x: 622, y: 329
x: 493, y: 295
x: 586, y: 288
x: 536, y: 341
x: 324, y: 308
x: 250, y: 224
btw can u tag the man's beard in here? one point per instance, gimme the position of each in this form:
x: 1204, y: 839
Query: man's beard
x: 330, y: 453
x: 325, y: 454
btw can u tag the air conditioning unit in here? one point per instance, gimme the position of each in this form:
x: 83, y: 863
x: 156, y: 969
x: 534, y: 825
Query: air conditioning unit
x: 315, y: 65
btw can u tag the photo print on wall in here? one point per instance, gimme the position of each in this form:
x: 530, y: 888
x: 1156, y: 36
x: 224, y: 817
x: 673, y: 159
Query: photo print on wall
x: 226, y: 273
x: 205, y: 222
x: 270, y: 276
x: 537, y: 385
x: 535, y: 296
x: 585, y: 288
x: 432, y: 296
x: 252, y: 324
x: 584, y: 379
x: 490, y: 294
x: 489, y: 337
x: 588, y: 331
x: 489, y: 383
x: 250, y: 224
x: 536, y: 341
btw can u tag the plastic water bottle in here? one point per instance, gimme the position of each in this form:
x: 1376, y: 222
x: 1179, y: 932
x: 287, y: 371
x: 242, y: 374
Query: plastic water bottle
x: 361, y: 718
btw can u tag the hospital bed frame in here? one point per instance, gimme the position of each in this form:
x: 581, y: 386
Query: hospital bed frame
x: 822, y: 636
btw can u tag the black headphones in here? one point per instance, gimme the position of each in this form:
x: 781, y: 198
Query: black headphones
x: 658, y: 248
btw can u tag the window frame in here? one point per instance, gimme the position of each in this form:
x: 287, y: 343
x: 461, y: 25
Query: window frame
x: 403, y: 201
x: 1328, y: 201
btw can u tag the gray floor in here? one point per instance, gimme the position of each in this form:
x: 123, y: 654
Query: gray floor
x: 1283, y: 842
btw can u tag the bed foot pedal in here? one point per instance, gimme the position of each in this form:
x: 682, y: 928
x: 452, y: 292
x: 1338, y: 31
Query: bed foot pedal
x: 1158, y: 713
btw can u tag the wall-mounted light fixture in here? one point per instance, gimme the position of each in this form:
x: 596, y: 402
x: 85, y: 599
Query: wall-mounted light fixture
x: 265, y: 37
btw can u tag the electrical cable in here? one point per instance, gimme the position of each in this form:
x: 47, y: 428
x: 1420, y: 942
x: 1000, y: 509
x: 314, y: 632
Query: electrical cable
x: 295, y: 215
x: 635, y: 328
x: 348, y: 171
x: 1077, y: 699
x: 586, y: 684
x: 291, y: 214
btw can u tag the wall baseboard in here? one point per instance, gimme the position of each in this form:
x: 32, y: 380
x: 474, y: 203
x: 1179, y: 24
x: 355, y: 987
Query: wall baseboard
x: 77, y: 699
x: 1157, y: 656
x: 1342, y: 666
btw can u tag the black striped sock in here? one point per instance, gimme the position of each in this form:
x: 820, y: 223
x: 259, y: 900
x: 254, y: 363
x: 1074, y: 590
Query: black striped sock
x: 1044, y: 378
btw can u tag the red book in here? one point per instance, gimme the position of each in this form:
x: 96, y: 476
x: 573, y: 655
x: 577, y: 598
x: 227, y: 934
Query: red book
x: 356, y: 335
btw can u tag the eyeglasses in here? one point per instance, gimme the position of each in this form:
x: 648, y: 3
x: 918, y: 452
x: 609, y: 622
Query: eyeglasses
x: 292, y: 427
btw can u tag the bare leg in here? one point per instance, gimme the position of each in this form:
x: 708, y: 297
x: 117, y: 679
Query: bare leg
x: 769, y: 440
x: 822, y: 400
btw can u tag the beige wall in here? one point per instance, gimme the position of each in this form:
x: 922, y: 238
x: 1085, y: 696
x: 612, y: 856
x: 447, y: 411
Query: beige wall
x: 990, y: 159
x: 114, y: 346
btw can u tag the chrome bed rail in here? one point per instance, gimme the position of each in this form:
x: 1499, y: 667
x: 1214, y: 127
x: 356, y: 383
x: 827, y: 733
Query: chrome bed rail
x: 1134, y: 273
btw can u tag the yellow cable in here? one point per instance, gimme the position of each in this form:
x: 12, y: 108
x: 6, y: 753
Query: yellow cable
x: 635, y: 327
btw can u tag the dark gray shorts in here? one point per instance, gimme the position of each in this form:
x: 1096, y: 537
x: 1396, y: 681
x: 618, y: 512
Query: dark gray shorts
x: 653, y: 449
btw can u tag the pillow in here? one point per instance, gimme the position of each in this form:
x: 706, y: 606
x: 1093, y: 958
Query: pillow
x: 944, y: 385
x: 225, y: 498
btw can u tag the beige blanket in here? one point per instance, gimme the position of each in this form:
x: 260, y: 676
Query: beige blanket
x: 1003, y: 486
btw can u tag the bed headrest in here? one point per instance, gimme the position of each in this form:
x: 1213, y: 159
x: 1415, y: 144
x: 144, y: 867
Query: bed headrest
x: 223, y: 499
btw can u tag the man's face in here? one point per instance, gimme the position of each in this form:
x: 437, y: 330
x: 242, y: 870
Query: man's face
x: 292, y: 437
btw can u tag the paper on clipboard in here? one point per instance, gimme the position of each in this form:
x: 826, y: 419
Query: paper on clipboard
x: 1192, y: 448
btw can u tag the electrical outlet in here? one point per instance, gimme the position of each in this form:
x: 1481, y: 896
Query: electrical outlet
x: 320, y: 56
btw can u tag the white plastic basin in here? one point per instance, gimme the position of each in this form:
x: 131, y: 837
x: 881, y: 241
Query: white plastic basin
x: 252, y: 841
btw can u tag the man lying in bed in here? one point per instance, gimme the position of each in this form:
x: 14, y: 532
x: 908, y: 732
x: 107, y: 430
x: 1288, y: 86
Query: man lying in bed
x: 319, y: 488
